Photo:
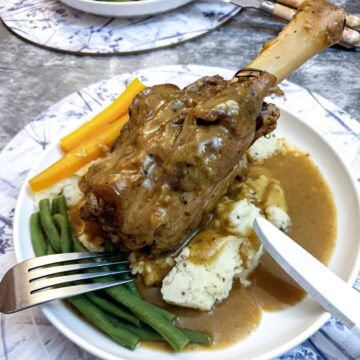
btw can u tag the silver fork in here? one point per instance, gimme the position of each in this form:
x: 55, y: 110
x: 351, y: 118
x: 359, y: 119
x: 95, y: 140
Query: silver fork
x: 32, y: 282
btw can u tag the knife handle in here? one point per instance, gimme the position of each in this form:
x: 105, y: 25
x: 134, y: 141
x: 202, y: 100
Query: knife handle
x: 349, y: 38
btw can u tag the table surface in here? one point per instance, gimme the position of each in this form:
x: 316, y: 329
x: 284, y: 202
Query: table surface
x: 32, y: 79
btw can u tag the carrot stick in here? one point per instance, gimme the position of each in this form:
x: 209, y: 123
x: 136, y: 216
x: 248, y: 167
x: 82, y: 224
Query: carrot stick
x: 112, y: 113
x: 78, y: 157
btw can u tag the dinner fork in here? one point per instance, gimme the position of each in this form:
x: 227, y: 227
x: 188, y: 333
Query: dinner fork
x: 32, y: 282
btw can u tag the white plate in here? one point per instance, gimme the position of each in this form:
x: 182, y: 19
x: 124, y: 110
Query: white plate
x: 279, y: 331
x: 127, y: 8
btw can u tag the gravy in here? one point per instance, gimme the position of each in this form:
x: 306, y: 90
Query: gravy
x: 312, y: 211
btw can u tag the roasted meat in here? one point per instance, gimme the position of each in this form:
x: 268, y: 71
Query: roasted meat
x: 176, y: 158
x: 180, y: 150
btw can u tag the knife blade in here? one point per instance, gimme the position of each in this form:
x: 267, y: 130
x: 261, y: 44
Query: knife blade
x: 246, y: 3
x: 326, y: 288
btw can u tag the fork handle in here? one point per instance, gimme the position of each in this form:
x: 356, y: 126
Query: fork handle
x: 349, y: 38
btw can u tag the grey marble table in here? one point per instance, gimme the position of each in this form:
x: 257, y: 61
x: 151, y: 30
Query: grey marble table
x: 32, y: 79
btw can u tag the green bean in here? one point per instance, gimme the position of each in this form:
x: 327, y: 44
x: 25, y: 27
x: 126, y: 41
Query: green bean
x: 125, y: 276
x: 131, y: 286
x: 65, y: 233
x: 37, y: 237
x: 101, y: 320
x: 54, y: 206
x: 141, y: 309
x: 197, y: 337
x: 49, y: 249
x: 146, y: 313
x: 48, y: 225
x: 110, y: 247
x: 99, y: 310
x: 61, y: 205
x: 78, y: 246
x: 169, y: 316
x: 62, y: 209
x: 111, y: 308
x: 147, y: 333
x: 126, y: 334
x: 144, y: 332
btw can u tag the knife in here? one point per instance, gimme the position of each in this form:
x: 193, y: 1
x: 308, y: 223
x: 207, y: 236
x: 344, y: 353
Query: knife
x: 326, y: 288
x: 350, y: 37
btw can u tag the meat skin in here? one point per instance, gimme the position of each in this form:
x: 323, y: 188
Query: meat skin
x: 175, y: 158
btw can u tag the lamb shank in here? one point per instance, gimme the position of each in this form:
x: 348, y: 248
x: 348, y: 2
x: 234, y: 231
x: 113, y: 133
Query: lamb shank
x: 181, y: 149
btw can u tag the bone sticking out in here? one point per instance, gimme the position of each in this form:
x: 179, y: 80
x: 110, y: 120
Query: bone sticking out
x: 352, y: 21
x: 316, y: 26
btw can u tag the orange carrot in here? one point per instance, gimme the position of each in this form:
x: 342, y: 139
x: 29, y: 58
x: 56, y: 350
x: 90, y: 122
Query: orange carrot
x: 112, y: 113
x: 78, y: 157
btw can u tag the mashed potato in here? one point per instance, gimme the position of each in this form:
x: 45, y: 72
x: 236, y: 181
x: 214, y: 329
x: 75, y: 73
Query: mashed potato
x: 92, y: 244
x: 153, y: 271
x: 200, y: 285
x: 241, y: 217
x: 265, y: 147
x: 278, y: 217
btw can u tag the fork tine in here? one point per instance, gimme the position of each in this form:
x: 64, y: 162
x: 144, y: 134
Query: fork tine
x: 37, y: 274
x: 42, y: 284
x: 68, y: 291
x: 60, y: 258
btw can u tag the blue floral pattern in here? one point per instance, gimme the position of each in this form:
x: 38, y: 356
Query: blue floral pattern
x: 28, y: 334
x: 54, y: 25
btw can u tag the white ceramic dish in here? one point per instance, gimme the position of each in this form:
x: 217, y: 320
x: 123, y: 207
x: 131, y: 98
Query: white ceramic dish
x: 127, y: 8
x: 279, y: 331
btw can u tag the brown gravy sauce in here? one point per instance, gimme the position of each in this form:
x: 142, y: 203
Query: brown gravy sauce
x: 313, y: 214
x: 80, y: 226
